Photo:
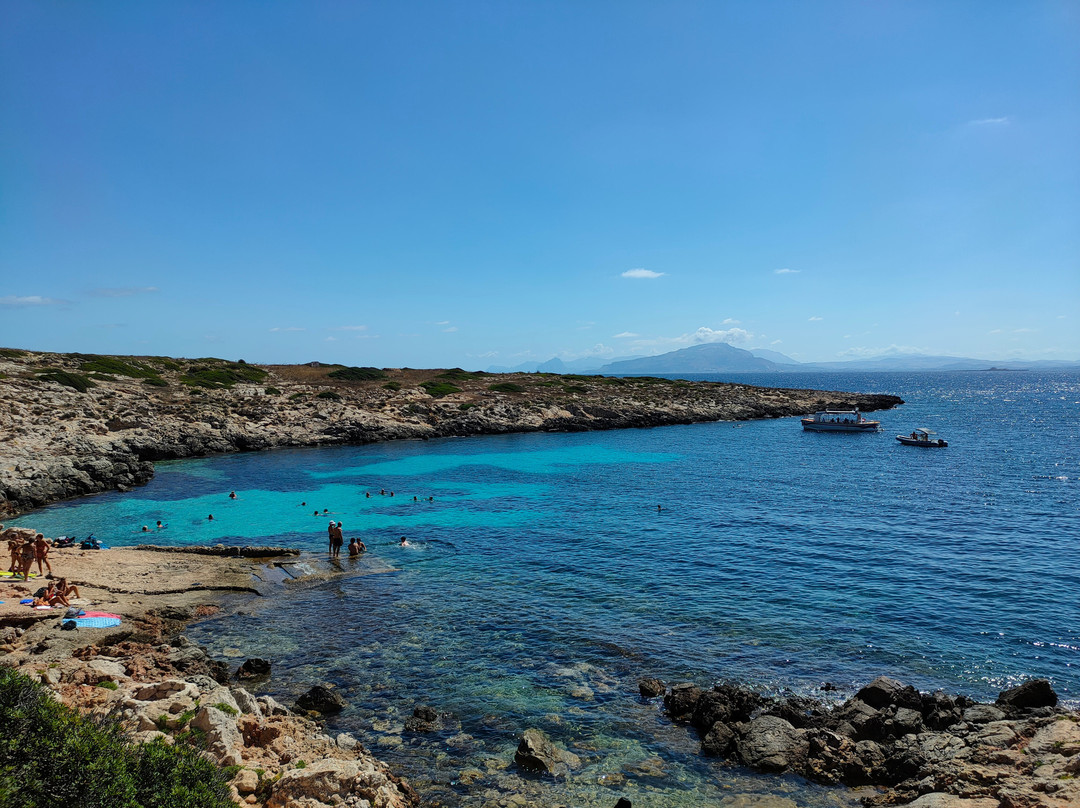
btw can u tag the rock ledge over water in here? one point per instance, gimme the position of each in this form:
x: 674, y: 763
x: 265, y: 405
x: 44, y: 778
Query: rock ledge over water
x: 75, y: 424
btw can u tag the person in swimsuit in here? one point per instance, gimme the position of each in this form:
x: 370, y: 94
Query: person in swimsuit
x: 41, y: 553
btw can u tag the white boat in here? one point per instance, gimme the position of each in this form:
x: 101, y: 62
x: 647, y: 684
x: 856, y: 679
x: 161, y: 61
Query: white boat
x: 921, y: 437
x: 839, y: 421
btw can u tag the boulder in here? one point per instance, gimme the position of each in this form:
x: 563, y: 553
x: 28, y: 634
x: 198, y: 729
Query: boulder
x: 883, y: 692
x: 983, y: 714
x: 724, y: 703
x: 682, y: 699
x: 536, y: 753
x: 254, y: 668
x: 320, y: 781
x: 719, y: 741
x: 423, y: 719
x: 651, y: 688
x: 322, y: 699
x: 772, y: 744
x: 223, y: 738
x: 1031, y: 694
x: 246, y: 702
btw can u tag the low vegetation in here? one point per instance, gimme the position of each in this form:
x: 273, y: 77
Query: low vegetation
x: 440, y: 389
x: 357, y: 374
x: 66, y: 378
x: 52, y: 755
x: 506, y: 387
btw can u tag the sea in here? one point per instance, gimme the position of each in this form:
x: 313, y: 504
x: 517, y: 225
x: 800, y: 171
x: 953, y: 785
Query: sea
x: 545, y: 574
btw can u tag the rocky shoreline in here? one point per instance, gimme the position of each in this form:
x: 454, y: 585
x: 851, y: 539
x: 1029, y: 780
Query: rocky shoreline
x: 76, y: 424
x: 929, y: 750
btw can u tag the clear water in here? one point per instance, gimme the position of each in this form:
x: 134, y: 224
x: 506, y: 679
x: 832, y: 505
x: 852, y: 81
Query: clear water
x: 542, y: 582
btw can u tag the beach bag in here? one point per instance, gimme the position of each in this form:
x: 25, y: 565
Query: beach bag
x: 73, y: 611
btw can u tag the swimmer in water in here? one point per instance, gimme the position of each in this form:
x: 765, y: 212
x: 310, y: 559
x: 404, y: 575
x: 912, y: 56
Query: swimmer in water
x: 367, y: 495
x: 303, y: 504
x: 232, y: 495
x: 145, y: 529
x: 159, y: 525
x: 404, y: 542
x: 658, y: 509
x: 210, y: 518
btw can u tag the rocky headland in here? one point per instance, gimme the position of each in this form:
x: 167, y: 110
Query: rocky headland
x: 929, y: 750
x: 75, y: 424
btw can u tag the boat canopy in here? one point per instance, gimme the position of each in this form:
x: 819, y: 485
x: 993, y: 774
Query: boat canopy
x: 925, y: 431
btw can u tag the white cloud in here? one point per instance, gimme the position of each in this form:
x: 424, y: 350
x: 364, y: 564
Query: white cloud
x: 996, y: 331
x: 1024, y: 330
x: 485, y: 355
x: 776, y: 342
x: 732, y: 336
x: 331, y: 339
x: 450, y: 330
x: 599, y: 349
x: 816, y: 319
x: 625, y: 335
x: 29, y: 300
x: 443, y: 322
x: 730, y: 321
x: 641, y: 273
x: 786, y: 271
x: 350, y: 328
x: 990, y: 121
x: 288, y: 328
x: 123, y: 291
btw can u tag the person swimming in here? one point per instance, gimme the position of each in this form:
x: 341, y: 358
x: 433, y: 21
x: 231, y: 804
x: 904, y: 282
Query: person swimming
x: 403, y: 542
x: 160, y: 526
x: 232, y: 495
x: 210, y: 518
x: 145, y: 529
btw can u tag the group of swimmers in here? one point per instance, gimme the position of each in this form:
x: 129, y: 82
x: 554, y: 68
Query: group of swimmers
x: 25, y: 549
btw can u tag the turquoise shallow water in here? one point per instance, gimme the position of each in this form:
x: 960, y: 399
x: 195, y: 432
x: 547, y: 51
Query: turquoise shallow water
x: 542, y: 581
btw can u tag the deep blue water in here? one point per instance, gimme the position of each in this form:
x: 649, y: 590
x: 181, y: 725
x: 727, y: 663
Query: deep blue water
x: 542, y: 581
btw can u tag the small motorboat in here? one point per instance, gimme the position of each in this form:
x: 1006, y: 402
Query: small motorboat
x: 922, y: 437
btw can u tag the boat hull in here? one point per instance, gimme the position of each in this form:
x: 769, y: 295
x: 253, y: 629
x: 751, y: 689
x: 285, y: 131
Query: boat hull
x: 928, y: 444
x: 811, y: 425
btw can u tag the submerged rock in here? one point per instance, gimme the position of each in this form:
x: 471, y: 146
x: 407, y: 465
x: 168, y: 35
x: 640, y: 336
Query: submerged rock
x: 537, y: 753
x: 322, y: 699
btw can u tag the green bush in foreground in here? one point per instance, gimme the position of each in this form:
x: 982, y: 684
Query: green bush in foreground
x: 440, y: 389
x: 50, y: 755
x: 75, y: 380
x: 506, y: 387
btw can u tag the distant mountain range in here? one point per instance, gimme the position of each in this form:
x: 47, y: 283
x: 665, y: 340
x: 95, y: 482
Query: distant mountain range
x: 719, y: 357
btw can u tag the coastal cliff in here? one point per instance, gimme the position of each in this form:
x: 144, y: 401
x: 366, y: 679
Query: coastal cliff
x: 75, y: 424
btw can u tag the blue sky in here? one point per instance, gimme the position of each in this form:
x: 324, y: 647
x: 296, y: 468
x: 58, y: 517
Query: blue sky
x: 436, y: 184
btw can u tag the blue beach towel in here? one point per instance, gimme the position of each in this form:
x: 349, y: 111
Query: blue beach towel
x: 95, y: 622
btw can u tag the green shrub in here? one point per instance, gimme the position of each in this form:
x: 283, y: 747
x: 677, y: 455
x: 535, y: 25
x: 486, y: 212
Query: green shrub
x: 575, y: 388
x: 271, y: 391
x: 66, y: 378
x: 165, y: 362
x: 51, y: 755
x: 466, y: 406
x: 357, y: 374
x: 155, y: 381
x: 440, y: 389
x: 108, y: 685
x: 506, y: 387
x: 228, y: 709
x: 457, y: 374
x: 329, y: 394
x: 297, y: 396
x: 223, y: 374
x: 114, y: 366
x: 392, y: 386
x: 101, y: 377
x: 11, y: 353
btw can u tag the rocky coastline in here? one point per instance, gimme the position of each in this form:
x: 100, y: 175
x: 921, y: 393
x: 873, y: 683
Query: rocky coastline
x: 929, y: 750
x: 76, y: 424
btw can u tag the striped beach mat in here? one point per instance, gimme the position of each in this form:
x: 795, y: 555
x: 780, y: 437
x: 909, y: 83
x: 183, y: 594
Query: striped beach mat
x: 96, y: 620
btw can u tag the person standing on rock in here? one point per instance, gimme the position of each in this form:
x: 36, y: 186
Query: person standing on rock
x: 338, y: 540
x: 330, y: 538
x: 27, y: 553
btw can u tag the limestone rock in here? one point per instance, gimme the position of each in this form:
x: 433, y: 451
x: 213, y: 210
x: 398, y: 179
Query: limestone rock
x: 537, y: 753
x: 651, y: 688
x: 772, y: 744
x: 1033, y: 693
x: 223, y: 738
x: 322, y: 699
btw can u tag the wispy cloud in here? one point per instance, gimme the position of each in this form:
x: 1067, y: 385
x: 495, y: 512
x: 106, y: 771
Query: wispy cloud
x: 331, y: 339
x: 29, y: 300
x: 626, y: 335
x: 732, y: 336
x: 990, y: 121
x: 816, y: 319
x: 641, y: 273
x: 349, y: 328
x: 776, y: 342
x: 122, y: 291
x: 996, y: 331
x: 1024, y: 330
x: 450, y: 330
x: 729, y: 321
x: 786, y: 271
x: 287, y: 328
x: 443, y: 322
